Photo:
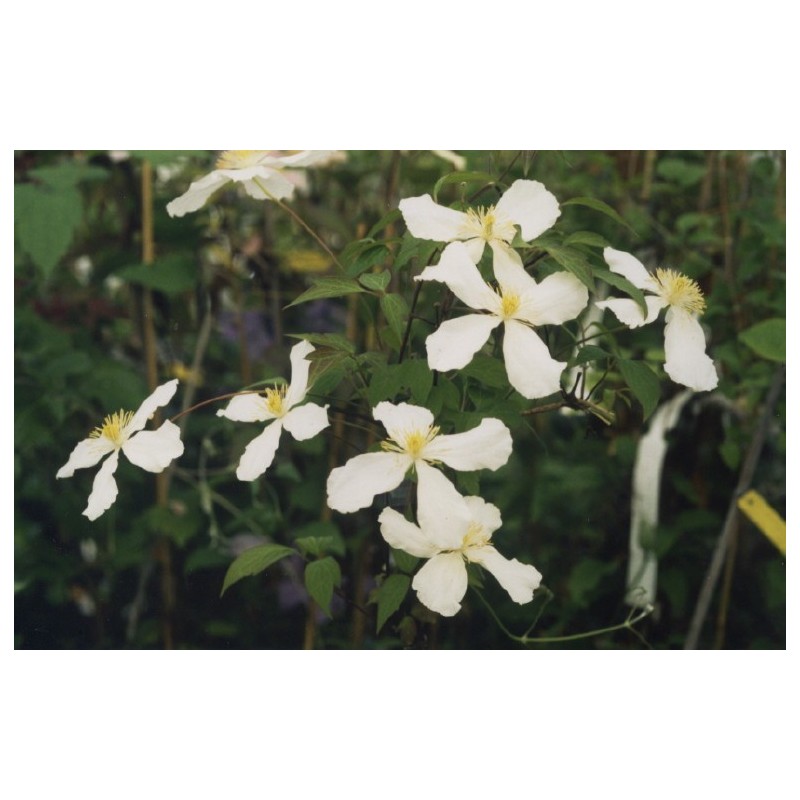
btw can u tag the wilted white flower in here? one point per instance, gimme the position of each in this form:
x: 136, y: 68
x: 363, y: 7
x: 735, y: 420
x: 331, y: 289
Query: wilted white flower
x: 414, y: 440
x: 525, y: 203
x: 453, y: 530
x: 684, y: 340
x: 150, y: 450
x: 519, y: 303
x: 259, y: 171
x: 280, y: 406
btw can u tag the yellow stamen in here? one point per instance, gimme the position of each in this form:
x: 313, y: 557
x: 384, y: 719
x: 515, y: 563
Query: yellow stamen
x: 411, y: 443
x: 474, y: 537
x: 275, y: 400
x: 482, y: 223
x: 680, y: 291
x: 113, y: 427
x: 510, y: 304
x: 236, y: 159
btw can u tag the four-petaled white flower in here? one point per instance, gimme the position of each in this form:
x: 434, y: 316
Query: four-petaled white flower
x: 684, y: 340
x: 259, y: 171
x: 525, y: 203
x: 281, y: 406
x: 453, y: 530
x: 150, y: 450
x: 414, y: 440
x: 519, y: 303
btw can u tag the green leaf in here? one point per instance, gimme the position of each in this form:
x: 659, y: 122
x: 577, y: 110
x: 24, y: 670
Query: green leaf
x: 624, y: 284
x: 573, y: 261
x: 390, y: 595
x: 320, y: 578
x: 253, y: 561
x: 47, y: 218
x: 405, y: 562
x: 598, y: 205
x: 334, y: 341
x: 171, y: 274
x: 489, y: 371
x: 386, y: 220
x: 767, y: 339
x: 587, y: 238
x: 158, y: 157
x: 360, y: 255
x: 395, y: 309
x: 461, y: 177
x: 376, y: 281
x: 68, y: 174
x: 643, y: 383
x: 588, y: 353
x: 336, y: 286
x: 681, y: 172
x: 417, y: 376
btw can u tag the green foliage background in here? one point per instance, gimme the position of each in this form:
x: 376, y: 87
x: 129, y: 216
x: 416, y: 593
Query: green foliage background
x: 222, y: 285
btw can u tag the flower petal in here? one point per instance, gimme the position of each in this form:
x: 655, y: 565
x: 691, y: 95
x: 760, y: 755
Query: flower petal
x: 86, y: 454
x: 532, y: 371
x: 629, y: 267
x: 486, y: 447
x: 354, y: 485
x: 685, y: 350
x: 404, y: 535
x: 160, y: 397
x: 442, y: 513
x: 104, y: 488
x: 518, y: 579
x: 428, y: 220
x: 304, y: 422
x: 529, y: 205
x: 458, y: 271
x: 300, y: 365
x: 268, y: 184
x: 154, y: 450
x: 509, y: 272
x: 628, y: 311
x: 484, y: 514
x: 442, y: 583
x: 402, y: 419
x: 259, y: 454
x: 197, y: 194
x: 310, y: 158
x: 250, y: 407
x: 456, y: 341
x: 558, y: 298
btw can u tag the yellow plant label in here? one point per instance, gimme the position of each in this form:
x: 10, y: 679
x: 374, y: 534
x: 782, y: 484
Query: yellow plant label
x: 765, y: 518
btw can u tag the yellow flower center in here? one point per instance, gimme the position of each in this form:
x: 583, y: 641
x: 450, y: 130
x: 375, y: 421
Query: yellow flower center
x: 510, y: 304
x: 275, y: 400
x: 113, y: 428
x: 238, y: 159
x: 679, y: 291
x: 482, y: 223
x: 411, y: 443
x: 474, y: 537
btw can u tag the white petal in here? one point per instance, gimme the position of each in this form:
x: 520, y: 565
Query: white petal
x: 532, y: 371
x: 531, y: 206
x: 306, y: 421
x: 685, y: 349
x: 629, y: 267
x: 558, y: 298
x: 300, y: 365
x: 269, y: 185
x: 259, y: 454
x: 160, y: 397
x: 104, y: 488
x: 484, y: 514
x: 197, y: 194
x: 86, y: 454
x: 402, y: 419
x: 458, y: 271
x: 404, y: 535
x: 354, y: 485
x: 475, y: 248
x: 154, y: 450
x: 486, y: 447
x: 628, y: 311
x: 311, y: 158
x: 518, y: 579
x: 442, y: 512
x: 442, y: 583
x: 509, y: 272
x: 456, y: 341
x: 250, y: 407
x: 428, y: 220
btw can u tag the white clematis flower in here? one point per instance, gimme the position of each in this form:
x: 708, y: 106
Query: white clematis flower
x: 281, y: 407
x: 525, y: 203
x: 519, y: 303
x: 453, y: 530
x: 413, y: 441
x: 684, y: 341
x: 150, y: 450
x: 259, y: 171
